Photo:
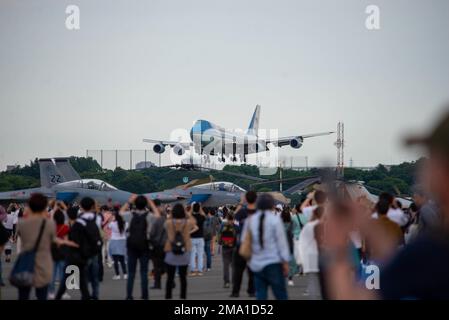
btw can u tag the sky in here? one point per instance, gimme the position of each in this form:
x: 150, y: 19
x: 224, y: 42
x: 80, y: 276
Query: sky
x: 140, y: 68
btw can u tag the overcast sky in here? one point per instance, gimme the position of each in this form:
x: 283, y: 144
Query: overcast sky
x: 138, y: 69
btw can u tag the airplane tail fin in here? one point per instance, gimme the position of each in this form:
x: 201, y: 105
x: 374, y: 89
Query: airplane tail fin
x: 253, y: 127
x: 65, y: 168
x: 50, y: 175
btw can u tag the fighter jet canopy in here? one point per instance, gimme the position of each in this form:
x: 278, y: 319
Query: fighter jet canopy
x: 220, y: 186
x: 91, y: 184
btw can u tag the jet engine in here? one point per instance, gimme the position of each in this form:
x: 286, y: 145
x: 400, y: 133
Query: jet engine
x: 296, y: 143
x: 178, y: 150
x: 159, y: 148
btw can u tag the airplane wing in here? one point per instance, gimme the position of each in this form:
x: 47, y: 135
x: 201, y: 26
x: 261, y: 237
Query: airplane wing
x: 285, y: 141
x: 169, y: 143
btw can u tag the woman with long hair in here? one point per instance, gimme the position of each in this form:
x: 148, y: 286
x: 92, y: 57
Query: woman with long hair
x: 288, y: 226
x: 180, y: 225
x: 117, y: 245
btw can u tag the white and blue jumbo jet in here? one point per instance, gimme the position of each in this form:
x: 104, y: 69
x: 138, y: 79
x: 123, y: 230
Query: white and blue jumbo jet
x: 210, y: 139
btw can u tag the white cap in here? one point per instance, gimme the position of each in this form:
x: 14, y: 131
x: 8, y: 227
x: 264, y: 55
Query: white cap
x: 279, y: 207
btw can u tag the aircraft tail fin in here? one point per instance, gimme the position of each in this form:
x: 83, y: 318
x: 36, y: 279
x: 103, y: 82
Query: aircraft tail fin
x: 65, y: 168
x: 253, y: 127
x: 50, y: 175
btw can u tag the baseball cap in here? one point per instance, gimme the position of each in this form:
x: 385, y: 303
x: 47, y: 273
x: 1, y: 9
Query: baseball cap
x: 437, y: 139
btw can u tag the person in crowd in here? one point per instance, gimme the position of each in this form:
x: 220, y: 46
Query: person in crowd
x: 216, y: 222
x: 38, y: 230
x: 278, y: 209
x: 85, y: 232
x: 269, y: 249
x: 309, y: 253
x: 227, y: 238
x: 298, y: 223
x: 209, y: 229
x: 413, y: 227
x: 179, y: 226
x: 108, y: 212
x: 62, y: 231
x: 197, y: 256
x: 239, y: 264
x: 314, y: 199
x: 158, y: 238
x: 10, y: 224
x: 429, y: 215
x: 4, y: 238
x: 419, y: 270
x: 93, y: 228
x: 386, y: 233
x: 138, y: 249
x: 395, y: 213
x: 77, y: 256
x: 288, y: 227
x: 117, y: 245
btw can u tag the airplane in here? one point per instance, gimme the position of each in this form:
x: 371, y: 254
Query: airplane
x: 50, y: 176
x: 210, y: 139
x: 60, y: 181
x: 211, y: 194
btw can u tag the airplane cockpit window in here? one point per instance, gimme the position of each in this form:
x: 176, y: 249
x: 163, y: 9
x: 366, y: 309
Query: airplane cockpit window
x: 97, y: 185
x: 220, y: 186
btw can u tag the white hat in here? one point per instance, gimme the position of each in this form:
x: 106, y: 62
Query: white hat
x: 279, y: 207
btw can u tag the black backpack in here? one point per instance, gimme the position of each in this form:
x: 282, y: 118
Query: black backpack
x: 228, y: 236
x: 4, y: 235
x: 178, y: 245
x: 93, y: 242
x: 138, y: 237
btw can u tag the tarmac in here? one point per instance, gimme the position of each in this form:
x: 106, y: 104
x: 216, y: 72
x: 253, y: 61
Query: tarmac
x: 206, y: 287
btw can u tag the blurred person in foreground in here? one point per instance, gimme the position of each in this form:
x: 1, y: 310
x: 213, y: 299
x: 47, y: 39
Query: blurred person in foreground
x: 419, y: 270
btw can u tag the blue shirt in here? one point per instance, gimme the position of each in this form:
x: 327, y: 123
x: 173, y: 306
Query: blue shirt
x: 275, y: 249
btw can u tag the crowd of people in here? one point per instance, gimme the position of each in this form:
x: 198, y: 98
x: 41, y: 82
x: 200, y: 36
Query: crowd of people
x: 272, y: 243
x: 334, y: 242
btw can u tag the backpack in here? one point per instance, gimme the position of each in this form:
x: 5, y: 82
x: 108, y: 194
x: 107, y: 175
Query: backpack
x: 22, y: 274
x: 208, y: 228
x: 94, y: 242
x: 178, y: 245
x: 4, y: 235
x: 138, y: 236
x: 228, y: 236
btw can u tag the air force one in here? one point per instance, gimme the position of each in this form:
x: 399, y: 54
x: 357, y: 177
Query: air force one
x: 210, y: 139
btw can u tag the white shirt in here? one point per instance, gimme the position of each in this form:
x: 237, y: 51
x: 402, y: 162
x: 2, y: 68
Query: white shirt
x: 275, y: 246
x: 308, y: 211
x: 395, y: 215
x: 11, y: 219
x: 115, y: 231
x: 308, y: 248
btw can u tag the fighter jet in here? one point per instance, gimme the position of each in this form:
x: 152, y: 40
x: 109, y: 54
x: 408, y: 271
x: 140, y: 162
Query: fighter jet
x: 210, y: 139
x: 212, y: 194
x: 50, y: 177
x: 60, y: 181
